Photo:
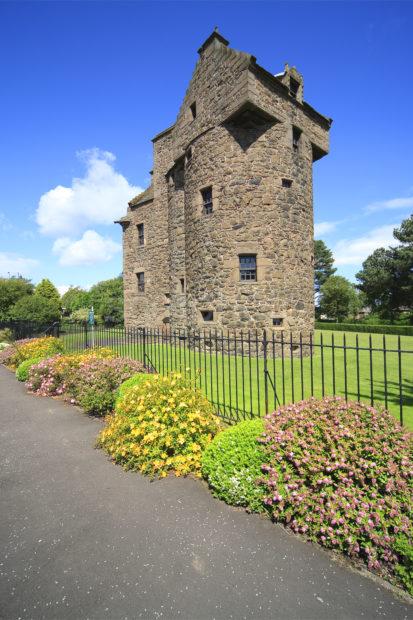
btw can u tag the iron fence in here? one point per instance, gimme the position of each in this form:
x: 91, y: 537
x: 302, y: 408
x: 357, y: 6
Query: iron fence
x: 249, y: 373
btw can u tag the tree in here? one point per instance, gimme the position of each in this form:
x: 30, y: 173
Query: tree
x: 107, y: 299
x: 36, y: 308
x: 339, y: 298
x: 75, y: 298
x: 47, y: 290
x: 386, y: 277
x: 323, y: 264
x: 11, y: 290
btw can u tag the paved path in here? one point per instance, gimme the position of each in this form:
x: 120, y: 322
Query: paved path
x: 80, y: 538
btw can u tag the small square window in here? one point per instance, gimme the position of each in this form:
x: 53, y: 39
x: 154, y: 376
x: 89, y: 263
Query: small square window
x: 141, y: 281
x: 294, y: 86
x: 296, y: 137
x: 248, y: 267
x: 207, y: 315
x: 193, y: 109
x: 141, y: 234
x: 207, y: 204
x: 286, y: 182
x: 277, y: 322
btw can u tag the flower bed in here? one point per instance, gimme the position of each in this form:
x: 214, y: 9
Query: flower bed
x: 29, y: 348
x: 90, y: 379
x: 342, y: 474
x: 160, y: 426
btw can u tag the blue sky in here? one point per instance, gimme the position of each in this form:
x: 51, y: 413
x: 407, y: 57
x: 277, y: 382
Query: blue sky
x: 85, y: 85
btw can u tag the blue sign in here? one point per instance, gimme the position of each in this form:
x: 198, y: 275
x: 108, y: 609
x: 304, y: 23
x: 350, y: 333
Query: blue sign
x: 91, y: 318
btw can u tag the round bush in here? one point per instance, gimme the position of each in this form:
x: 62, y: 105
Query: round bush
x: 22, y: 372
x: 160, y: 426
x: 137, y: 379
x: 232, y: 465
x: 342, y: 473
x: 94, y: 382
x: 8, y: 352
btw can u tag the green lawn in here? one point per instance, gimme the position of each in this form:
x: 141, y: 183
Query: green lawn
x: 236, y: 382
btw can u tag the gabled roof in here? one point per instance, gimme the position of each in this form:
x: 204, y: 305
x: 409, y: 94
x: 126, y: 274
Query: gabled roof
x: 145, y: 196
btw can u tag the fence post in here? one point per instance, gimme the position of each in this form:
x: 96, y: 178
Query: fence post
x: 264, y: 347
x: 144, y: 345
x: 85, y: 334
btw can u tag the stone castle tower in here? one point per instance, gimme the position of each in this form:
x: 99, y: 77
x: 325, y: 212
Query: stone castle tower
x: 223, y: 237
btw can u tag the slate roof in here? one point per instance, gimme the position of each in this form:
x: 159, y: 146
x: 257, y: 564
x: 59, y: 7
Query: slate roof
x: 145, y: 196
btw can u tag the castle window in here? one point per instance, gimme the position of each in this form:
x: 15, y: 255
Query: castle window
x: 207, y: 315
x: 277, y: 322
x: 141, y: 281
x: 193, y: 110
x: 248, y: 267
x: 294, y: 86
x: 141, y: 234
x: 296, y: 137
x: 182, y: 281
x: 207, y: 205
x: 286, y: 182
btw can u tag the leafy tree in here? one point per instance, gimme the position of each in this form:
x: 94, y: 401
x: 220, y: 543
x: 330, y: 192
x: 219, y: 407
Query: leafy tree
x: 47, y: 290
x: 75, y: 298
x: 323, y: 264
x: 386, y: 277
x: 339, y: 299
x: 36, y: 308
x: 11, y: 290
x: 107, y: 299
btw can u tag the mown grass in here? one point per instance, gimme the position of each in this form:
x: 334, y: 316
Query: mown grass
x: 235, y: 383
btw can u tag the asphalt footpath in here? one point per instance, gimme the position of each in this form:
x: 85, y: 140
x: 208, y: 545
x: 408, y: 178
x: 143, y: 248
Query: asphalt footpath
x: 80, y: 538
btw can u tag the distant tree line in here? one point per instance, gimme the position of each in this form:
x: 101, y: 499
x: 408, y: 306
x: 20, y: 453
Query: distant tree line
x: 385, y: 282
x: 21, y: 300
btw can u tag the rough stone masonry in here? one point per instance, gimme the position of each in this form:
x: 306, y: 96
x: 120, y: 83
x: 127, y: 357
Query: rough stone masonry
x: 223, y: 237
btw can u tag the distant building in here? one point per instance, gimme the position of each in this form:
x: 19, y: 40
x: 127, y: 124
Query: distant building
x: 223, y: 237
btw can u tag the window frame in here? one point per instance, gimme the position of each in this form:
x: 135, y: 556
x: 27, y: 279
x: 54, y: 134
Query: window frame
x: 140, y: 281
x: 193, y: 110
x: 245, y: 272
x: 209, y: 313
x: 207, y: 205
x: 141, y: 237
x: 296, y: 137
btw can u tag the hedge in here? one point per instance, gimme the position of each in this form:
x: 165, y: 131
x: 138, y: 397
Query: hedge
x: 396, y: 330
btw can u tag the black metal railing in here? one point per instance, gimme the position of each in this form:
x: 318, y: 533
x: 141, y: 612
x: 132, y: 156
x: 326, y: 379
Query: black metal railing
x: 249, y: 373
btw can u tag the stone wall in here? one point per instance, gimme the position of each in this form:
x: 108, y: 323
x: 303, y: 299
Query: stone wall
x: 239, y: 141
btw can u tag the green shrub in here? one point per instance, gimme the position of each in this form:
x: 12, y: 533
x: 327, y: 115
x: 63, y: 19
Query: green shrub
x: 232, y: 465
x: 160, y: 426
x: 34, y: 347
x: 404, y: 569
x: 396, y: 330
x: 6, y: 335
x: 340, y: 473
x: 137, y: 379
x: 4, y: 345
x: 94, y: 383
x: 22, y: 372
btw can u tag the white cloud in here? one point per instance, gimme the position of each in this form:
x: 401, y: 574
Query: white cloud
x: 13, y: 264
x: 92, y: 248
x: 355, y: 251
x: 5, y: 224
x: 62, y: 288
x: 99, y: 197
x: 323, y: 228
x: 394, y: 203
